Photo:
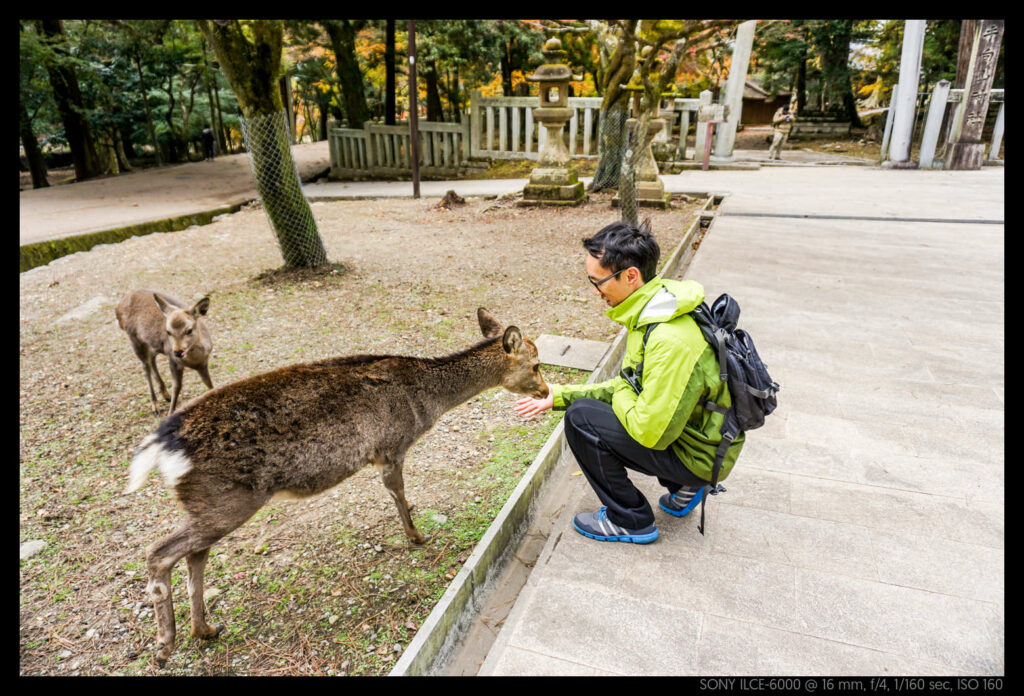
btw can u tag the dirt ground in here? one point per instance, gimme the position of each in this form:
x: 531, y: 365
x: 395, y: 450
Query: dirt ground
x: 323, y: 586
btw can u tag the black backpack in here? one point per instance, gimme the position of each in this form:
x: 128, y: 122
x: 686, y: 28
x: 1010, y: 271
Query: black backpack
x: 751, y: 387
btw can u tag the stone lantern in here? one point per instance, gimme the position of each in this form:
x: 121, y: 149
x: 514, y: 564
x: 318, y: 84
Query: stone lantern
x: 650, y: 190
x: 553, y: 181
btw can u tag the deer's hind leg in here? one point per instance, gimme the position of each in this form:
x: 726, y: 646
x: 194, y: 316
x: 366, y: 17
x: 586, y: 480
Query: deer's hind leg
x: 213, y: 513
x: 391, y: 475
x: 196, y: 566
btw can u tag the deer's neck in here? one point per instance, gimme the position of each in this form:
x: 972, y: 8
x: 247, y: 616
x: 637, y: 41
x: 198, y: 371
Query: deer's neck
x: 457, y: 378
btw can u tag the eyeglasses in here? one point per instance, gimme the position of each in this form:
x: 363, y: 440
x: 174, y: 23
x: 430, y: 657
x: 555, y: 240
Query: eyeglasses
x: 597, y: 283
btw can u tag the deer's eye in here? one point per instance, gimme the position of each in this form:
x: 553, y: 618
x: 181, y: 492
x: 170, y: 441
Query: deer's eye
x: 536, y: 368
x: 168, y: 333
x: 189, y: 332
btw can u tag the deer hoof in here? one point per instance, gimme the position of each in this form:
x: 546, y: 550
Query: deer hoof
x: 210, y: 633
x: 158, y: 659
x: 420, y: 538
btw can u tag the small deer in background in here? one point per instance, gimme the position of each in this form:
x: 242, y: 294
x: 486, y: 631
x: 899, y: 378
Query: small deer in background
x: 300, y: 430
x: 159, y: 324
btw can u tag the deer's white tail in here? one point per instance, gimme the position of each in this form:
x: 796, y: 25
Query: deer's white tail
x: 150, y: 455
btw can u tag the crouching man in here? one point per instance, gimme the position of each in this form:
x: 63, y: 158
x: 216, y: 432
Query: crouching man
x: 670, y: 429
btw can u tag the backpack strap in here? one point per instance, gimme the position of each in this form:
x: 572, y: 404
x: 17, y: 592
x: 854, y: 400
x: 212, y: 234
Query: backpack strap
x: 639, y: 369
x: 714, y: 486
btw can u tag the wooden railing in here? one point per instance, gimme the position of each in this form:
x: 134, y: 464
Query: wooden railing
x: 376, y: 149
x: 494, y: 128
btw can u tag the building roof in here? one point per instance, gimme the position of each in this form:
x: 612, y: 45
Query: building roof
x: 753, y: 90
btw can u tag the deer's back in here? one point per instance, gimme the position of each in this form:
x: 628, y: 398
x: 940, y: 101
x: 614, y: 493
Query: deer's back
x: 301, y: 428
x: 140, y: 317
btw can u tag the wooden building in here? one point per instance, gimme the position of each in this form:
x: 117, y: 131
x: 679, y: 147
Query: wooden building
x: 759, y: 106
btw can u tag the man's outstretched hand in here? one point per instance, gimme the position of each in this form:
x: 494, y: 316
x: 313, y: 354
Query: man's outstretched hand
x: 529, y: 407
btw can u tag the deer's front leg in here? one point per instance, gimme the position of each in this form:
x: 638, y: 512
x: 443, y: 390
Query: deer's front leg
x: 391, y: 475
x: 177, y: 372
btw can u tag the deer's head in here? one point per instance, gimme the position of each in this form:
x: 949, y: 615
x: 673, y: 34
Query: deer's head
x: 522, y: 367
x: 182, y: 325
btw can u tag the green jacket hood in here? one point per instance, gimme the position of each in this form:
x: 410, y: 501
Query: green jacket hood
x: 657, y: 300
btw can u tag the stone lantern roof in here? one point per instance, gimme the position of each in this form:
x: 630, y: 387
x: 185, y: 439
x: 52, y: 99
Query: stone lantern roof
x: 554, y: 70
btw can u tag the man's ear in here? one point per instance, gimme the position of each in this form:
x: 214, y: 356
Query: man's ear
x: 512, y: 341
x: 489, y: 326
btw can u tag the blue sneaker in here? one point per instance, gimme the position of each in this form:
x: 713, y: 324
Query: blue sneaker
x: 682, y: 501
x: 596, y: 525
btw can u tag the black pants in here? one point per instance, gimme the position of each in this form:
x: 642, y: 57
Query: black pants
x: 605, y: 450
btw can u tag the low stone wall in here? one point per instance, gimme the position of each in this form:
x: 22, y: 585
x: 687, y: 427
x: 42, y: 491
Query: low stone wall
x: 42, y: 253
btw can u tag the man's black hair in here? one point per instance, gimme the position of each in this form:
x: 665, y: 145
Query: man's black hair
x: 621, y: 245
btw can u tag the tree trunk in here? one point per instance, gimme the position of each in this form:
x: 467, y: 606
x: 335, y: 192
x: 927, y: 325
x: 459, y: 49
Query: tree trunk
x: 506, y: 71
x: 456, y: 97
x: 127, y: 146
x: 963, y: 56
x: 252, y: 68
x: 224, y: 139
x: 323, y: 120
x: 343, y: 40
x: 36, y: 164
x: 122, y: 158
x: 612, y: 118
x: 68, y: 96
x: 434, y: 112
x: 289, y: 109
x: 627, y: 176
x: 389, y: 73
x: 149, y: 116
x: 209, y: 99
x: 801, y: 83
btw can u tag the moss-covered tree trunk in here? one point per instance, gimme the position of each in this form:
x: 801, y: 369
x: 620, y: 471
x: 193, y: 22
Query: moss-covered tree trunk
x: 612, y: 117
x: 250, y: 57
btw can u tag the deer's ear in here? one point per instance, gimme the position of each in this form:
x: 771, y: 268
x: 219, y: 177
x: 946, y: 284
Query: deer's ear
x: 512, y: 341
x: 164, y: 307
x: 488, y: 324
x: 201, y: 307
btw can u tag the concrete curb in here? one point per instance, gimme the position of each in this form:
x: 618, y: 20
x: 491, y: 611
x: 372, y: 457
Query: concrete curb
x: 43, y: 252
x: 451, y: 615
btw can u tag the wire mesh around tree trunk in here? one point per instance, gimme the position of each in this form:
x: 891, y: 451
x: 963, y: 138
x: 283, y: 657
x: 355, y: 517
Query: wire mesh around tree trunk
x: 280, y: 189
x: 628, y: 173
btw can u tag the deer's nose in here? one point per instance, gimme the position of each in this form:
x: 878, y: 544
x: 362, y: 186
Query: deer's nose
x: 179, y: 354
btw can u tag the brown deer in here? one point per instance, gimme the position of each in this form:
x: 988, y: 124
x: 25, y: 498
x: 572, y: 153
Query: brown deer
x: 159, y: 324
x: 300, y: 430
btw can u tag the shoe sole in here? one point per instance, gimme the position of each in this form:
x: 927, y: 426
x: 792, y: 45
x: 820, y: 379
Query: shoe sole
x: 686, y: 510
x: 629, y: 538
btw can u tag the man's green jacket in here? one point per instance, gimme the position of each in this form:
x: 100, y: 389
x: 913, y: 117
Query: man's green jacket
x: 680, y: 373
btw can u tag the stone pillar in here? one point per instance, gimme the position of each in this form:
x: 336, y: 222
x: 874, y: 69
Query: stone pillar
x: 884, y: 152
x: 967, y: 151
x: 936, y: 108
x: 650, y: 190
x: 553, y: 181
x: 726, y: 135
x: 905, y: 102
x: 703, y: 114
x: 684, y: 129
x: 997, y: 134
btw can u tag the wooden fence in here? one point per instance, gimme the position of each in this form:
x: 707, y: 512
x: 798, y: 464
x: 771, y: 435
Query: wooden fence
x: 494, y: 128
x: 376, y: 149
